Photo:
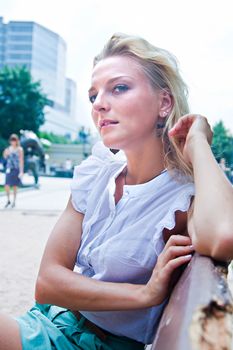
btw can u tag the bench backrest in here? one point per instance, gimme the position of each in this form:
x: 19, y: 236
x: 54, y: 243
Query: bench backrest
x: 199, y: 314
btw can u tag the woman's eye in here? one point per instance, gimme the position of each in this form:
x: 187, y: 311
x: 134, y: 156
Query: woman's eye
x: 117, y: 89
x: 92, y: 98
x: 120, y: 88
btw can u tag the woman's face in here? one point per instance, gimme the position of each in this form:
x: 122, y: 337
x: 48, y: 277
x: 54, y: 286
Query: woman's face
x: 13, y: 142
x: 125, y: 107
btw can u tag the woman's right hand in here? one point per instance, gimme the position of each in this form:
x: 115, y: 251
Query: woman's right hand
x: 177, y: 251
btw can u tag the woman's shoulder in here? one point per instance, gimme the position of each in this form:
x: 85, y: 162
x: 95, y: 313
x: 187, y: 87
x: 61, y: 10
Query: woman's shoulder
x: 100, y: 157
x: 6, y: 152
x: 181, y: 191
x: 178, y: 182
x: 86, y: 173
x: 100, y: 151
x: 175, y: 200
x: 20, y: 149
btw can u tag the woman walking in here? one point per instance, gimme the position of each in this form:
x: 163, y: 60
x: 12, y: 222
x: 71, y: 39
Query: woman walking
x: 14, y: 168
x: 134, y: 217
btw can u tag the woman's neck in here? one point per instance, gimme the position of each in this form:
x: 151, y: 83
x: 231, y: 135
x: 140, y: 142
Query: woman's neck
x: 144, y: 162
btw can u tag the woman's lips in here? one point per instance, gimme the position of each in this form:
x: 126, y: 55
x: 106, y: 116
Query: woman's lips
x: 107, y: 122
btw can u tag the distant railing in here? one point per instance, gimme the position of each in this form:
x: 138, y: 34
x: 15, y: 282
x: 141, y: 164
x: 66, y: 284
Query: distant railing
x: 199, y: 314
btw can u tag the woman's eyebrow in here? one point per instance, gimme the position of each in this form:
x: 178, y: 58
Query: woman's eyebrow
x: 92, y: 88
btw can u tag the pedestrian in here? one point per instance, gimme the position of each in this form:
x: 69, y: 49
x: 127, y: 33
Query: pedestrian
x: 227, y: 170
x: 14, y: 168
x: 68, y: 164
x: 133, y: 217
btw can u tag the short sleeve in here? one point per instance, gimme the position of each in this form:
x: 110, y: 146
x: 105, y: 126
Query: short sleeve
x: 84, y: 175
x: 180, y: 201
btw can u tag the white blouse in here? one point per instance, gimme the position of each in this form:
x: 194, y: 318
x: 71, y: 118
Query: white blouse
x: 121, y: 243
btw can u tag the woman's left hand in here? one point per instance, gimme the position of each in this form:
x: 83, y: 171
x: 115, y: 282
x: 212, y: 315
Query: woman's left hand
x: 189, y: 127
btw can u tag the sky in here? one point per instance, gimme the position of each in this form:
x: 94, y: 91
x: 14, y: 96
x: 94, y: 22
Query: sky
x: 198, y: 32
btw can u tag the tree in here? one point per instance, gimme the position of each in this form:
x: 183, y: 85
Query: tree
x: 22, y: 102
x: 222, y: 145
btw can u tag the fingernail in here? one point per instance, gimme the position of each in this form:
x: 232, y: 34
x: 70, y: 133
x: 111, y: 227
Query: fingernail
x: 189, y: 256
x: 191, y: 246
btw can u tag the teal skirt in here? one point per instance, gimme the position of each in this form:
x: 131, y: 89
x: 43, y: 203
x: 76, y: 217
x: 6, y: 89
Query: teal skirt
x: 47, y: 327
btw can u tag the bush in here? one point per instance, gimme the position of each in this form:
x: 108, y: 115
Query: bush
x: 50, y: 136
x: 3, y: 145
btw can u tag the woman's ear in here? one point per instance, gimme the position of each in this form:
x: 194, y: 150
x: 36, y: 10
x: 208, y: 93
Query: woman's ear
x: 166, y: 104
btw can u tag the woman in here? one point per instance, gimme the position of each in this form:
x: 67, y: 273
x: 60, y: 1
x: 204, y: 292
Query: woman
x: 132, y: 219
x: 14, y: 168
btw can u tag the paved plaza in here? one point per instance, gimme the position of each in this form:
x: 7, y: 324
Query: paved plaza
x: 24, y: 231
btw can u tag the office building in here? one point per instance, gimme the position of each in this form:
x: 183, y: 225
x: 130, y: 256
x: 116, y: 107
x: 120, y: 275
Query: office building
x: 43, y: 52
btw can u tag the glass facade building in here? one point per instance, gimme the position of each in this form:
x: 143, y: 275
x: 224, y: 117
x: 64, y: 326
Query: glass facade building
x: 43, y: 52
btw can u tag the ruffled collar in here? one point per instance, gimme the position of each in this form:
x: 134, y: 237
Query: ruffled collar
x: 104, y: 153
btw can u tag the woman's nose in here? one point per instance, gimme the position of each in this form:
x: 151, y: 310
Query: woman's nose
x: 101, y: 103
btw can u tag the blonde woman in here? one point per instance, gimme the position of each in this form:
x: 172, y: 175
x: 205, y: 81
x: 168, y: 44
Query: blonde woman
x: 134, y: 216
x: 14, y: 168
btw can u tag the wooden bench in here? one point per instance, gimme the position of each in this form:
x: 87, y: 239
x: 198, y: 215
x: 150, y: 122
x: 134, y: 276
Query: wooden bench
x: 199, y: 314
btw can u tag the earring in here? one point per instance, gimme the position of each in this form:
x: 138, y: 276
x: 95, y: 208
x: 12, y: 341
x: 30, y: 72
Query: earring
x: 160, y: 125
x: 159, y: 129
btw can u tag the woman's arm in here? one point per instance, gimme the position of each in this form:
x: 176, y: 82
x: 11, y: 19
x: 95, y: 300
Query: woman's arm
x: 58, y: 284
x: 5, y: 153
x: 210, y: 221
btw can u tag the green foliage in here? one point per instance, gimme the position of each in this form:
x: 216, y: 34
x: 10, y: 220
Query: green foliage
x: 3, y: 145
x: 54, y: 138
x: 21, y: 102
x: 222, y: 145
x: 2, y: 189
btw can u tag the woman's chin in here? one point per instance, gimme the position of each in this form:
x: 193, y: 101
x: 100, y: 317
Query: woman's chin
x: 111, y: 143
x: 114, y: 137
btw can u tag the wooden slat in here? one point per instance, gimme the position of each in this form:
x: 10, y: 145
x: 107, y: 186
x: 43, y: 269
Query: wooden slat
x: 199, y: 315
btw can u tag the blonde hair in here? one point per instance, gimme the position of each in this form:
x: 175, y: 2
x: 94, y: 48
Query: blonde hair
x: 161, y: 68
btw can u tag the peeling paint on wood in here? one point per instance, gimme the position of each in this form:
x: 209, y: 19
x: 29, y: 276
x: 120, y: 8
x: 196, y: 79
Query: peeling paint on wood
x: 211, y: 327
x: 199, y: 315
